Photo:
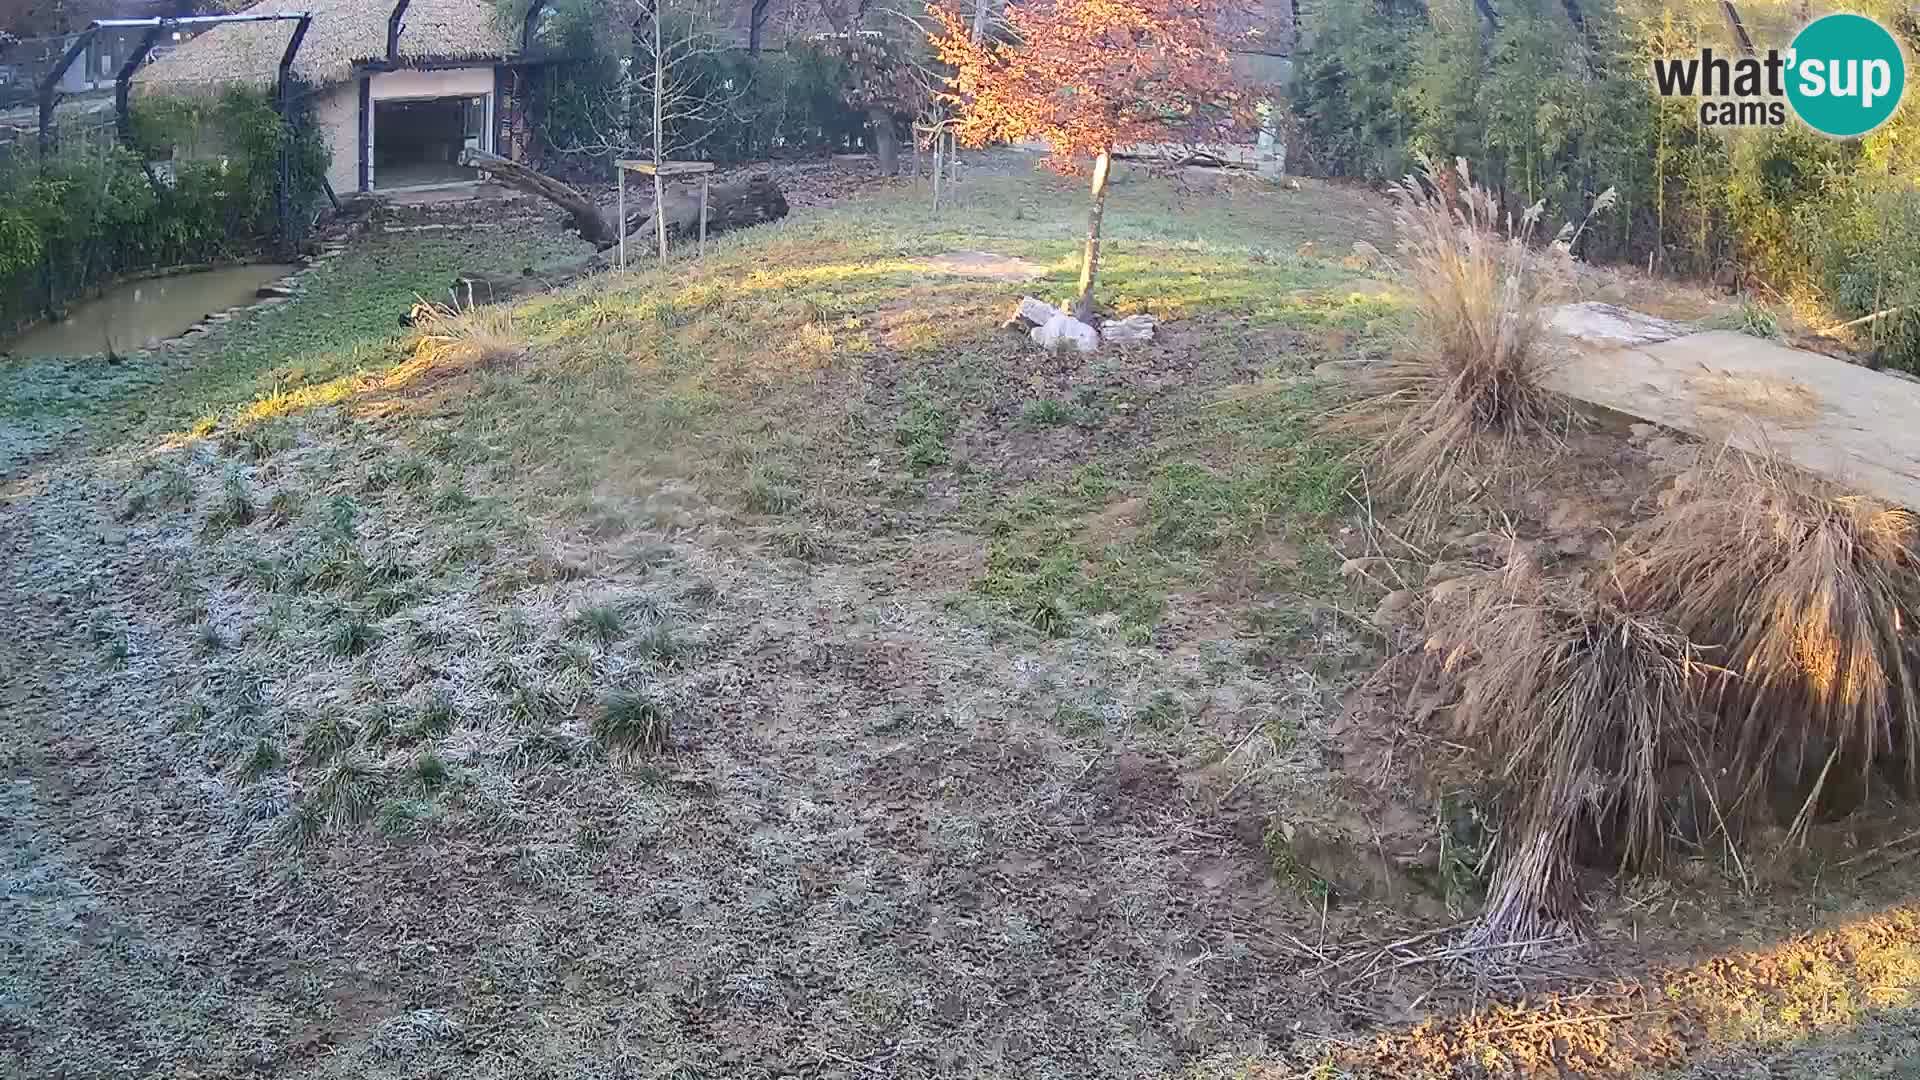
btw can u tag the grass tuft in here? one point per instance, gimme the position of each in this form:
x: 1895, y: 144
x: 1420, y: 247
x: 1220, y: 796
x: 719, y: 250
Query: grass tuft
x: 328, y: 735
x: 406, y: 471
x: 632, y: 724
x: 400, y: 818
x: 802, y: 543
x: 300, y: 827
x: 1586, y: 702
x: 480, y: 336
x: 658, y: 642
x: 1809, y: 597
x: 235, y: 508
x: 1753, y: 319
x: 768, y: 492
x: 353, y: 636
x: 603, y: 623
x: 349, y: 788
x: 265, y: 757
x: 430, y: 771
x: 437, y: 717
x: 1446, y: 414
x: 1045, y: 412
x: 451, y: 499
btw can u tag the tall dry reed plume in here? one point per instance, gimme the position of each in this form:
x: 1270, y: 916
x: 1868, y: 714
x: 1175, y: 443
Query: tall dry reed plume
x: 1808, y: 597
x: 1444, y: 414
x: 1589, y: 704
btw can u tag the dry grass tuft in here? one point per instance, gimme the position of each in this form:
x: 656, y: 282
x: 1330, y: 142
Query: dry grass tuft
x: 477, y: 337
x: 1810, y: 594
x: 1590, y: 704
x: 1443, y: 416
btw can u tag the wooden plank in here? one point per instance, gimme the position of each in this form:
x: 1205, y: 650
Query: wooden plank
x: 667, y: 168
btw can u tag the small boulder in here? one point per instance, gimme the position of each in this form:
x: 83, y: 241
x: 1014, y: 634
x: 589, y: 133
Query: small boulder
x: 1132, y: 330
x: 1037, y: 312
x: 1064, y: 331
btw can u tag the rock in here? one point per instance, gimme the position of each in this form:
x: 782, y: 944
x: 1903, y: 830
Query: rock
x: 152, y: 343
x: 270, y: 292
x: 1610, y: 324
x: 1034, y: 311
x: 1064, y: 331
x: 1202, y: 177
x: 1132, y: 330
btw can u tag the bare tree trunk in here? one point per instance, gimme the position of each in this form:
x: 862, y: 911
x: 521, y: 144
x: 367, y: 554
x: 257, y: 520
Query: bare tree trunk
x: 583, y: 214
x: 1090, y: 263
x: 756, y: 22
x: 939, y: 141
x: 886, y: 147
x: 659, y: 136
x: 980, y: 18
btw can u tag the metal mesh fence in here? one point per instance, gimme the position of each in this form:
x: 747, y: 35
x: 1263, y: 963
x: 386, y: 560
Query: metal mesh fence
x: 94, y: 202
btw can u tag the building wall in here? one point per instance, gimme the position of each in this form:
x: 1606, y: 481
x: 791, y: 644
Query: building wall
x: 452, y: 82
x: 338, y: 111
x: 338, y: 114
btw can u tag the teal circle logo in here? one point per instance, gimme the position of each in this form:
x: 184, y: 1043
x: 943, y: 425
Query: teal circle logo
x: 1845, y: 75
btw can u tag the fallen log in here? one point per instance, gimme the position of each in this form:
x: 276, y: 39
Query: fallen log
x: 473, y: 288
x: 736, y: 204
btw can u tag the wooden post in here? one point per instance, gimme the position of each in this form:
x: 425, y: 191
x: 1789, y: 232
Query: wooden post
x: 703, y: 215
x: 659, y: 135
x: 937, y: 136
x: 659, y: 208
x: 622, y: 226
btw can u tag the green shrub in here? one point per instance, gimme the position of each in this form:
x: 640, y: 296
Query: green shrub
x: 1547, y: 108
x: 1868, y: 263
x: 89, y: 214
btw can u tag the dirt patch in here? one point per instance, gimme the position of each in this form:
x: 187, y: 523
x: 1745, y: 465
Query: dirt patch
x: 982, y: 264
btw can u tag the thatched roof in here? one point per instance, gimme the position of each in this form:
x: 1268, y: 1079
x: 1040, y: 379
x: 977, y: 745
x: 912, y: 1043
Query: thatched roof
x: 343, y: 33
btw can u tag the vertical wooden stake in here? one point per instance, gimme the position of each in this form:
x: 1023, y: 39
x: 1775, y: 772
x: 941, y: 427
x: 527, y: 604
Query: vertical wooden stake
x: 659, y: 203
x: 703, y: 215
x: 937, y: 144
x: 623, y: 216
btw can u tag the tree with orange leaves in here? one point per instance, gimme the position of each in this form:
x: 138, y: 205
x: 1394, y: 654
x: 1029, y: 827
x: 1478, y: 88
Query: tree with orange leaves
x: 1090, y: 77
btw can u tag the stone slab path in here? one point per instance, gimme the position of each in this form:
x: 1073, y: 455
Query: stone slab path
x: 1858, y: 427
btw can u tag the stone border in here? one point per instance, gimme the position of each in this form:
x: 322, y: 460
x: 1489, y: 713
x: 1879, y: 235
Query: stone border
x: 267, y: 296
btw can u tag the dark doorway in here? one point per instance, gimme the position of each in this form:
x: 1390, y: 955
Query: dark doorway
x: 418, y: 141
